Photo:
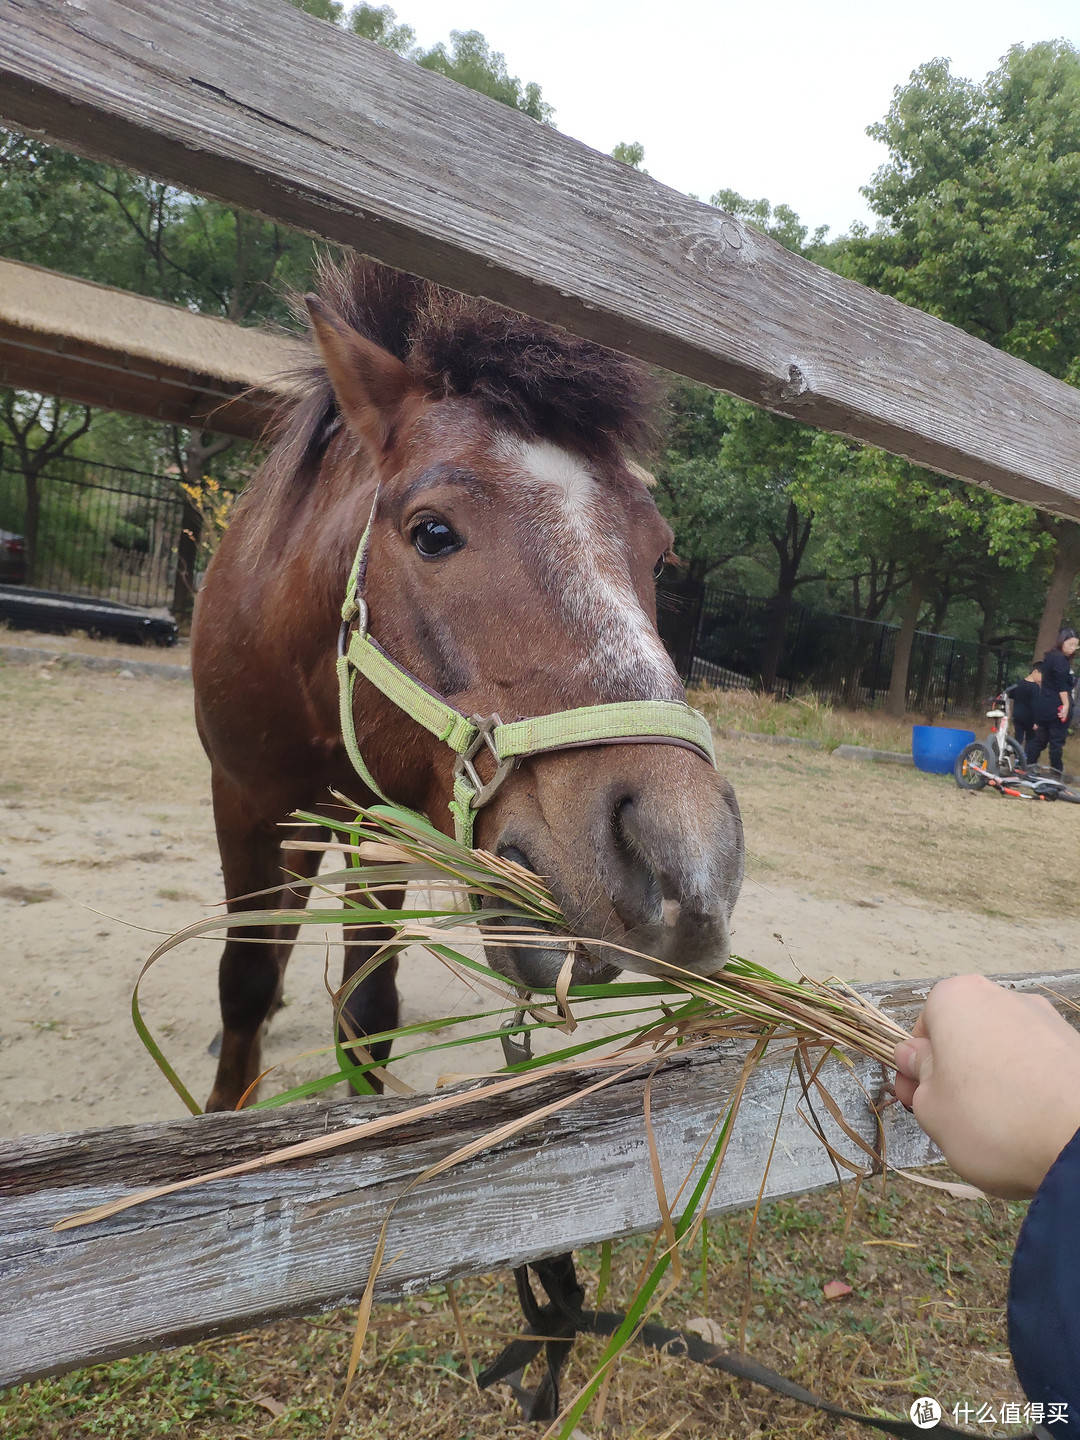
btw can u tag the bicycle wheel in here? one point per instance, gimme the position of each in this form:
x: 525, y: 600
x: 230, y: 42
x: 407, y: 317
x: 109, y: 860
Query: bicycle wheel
x: 970, y: 764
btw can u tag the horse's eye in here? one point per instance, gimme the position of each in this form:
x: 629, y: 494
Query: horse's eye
x: 659, y: 567
x: 434, y: 538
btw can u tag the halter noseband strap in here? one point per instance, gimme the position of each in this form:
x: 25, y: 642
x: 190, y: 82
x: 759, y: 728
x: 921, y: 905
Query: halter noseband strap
x: 670, y: 722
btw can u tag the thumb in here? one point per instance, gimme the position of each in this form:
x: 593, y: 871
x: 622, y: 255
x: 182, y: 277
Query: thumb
x: 914, y: 1058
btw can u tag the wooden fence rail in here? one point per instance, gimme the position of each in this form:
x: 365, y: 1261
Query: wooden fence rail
x: 262, y: 106
x: 234, y: 1253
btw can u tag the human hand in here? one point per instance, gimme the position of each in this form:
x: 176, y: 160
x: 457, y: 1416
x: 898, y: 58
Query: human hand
x: 993, y: 1077
x: 1063, y: 711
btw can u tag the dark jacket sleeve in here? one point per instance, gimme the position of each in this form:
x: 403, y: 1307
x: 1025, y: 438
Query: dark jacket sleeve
x: 1044, y: 1293
x: 1056, y: 673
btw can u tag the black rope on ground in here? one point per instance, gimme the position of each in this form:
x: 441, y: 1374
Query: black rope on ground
x: 553, y: 1326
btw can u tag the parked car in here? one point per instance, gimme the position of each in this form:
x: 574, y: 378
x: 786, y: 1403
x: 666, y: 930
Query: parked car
x: 12, y: 558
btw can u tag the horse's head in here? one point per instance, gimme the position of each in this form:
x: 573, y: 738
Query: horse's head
x: 510, y: 566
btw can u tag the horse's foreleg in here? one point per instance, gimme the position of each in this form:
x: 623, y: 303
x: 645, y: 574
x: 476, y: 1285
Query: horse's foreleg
x: 253, y: 961
x: 298, y: 867
x: 371, y: 1006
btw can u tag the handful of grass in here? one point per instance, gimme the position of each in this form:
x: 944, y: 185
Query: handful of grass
x: 385, y: 849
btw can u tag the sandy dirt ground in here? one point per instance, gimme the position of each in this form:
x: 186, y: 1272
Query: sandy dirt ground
x: 107, y: 845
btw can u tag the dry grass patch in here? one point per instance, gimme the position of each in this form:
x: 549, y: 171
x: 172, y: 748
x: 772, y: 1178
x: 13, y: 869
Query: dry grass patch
x: 855, y: 830
x: 807, y: 718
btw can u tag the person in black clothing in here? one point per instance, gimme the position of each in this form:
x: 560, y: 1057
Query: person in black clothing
x: 1023, y: 696
x: 1053, y: 704
x: 993, y: 1077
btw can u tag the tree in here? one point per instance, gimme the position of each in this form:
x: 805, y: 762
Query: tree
x: 471, y: 61
x: 1065, y: 537
x: 192, y: 453
x: 711, y: 515
x: 980, y: 200
x: 779, y: 466
x: 105, y: 224
x: 726, y: 480
x: 935, y: 536
x: 630, y: 152
x: 380, y: 24
x: 41, y: 428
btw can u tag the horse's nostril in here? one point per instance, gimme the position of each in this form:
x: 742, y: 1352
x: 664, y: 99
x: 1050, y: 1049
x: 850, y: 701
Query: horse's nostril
x: 620, y: 815
x: 511, y: 852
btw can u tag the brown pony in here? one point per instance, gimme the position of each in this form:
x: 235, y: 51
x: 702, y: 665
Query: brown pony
x: 510, y: 567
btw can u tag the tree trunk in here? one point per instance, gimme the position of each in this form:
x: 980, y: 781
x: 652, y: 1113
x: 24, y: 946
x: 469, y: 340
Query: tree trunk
x: 774, y: 645
x: 896, y: 701
x: 790, y: 546
x: 1062, y: 579
x: 192, y: 460
x: 187, y: 550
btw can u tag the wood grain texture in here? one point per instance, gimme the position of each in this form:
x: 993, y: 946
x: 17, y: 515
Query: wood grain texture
x: 94, y: 375
x: 257, y: 104
x: 291, y: 1240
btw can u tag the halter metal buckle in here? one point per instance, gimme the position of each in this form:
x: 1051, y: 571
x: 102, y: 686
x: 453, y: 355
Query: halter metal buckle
x: 356, y: 612
x: 464, y: 769
x: 516, y: 1052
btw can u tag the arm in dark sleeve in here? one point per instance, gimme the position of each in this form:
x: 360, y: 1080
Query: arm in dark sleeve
x: 1055, y: 672
x: 1044, y: 1293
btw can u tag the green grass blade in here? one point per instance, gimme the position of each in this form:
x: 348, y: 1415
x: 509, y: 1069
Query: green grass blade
x: 640, y: 1306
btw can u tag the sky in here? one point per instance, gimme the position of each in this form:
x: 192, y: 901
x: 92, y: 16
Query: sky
x: 769, y: 99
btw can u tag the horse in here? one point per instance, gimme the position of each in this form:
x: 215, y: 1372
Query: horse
x: 510, y: 544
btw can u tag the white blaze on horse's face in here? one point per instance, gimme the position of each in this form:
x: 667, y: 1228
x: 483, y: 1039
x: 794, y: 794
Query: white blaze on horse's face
x: 565, y: 510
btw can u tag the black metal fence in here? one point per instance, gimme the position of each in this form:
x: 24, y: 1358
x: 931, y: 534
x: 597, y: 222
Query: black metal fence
x: 719, y: 637
x: 103, y: 530
x: 110, y: 532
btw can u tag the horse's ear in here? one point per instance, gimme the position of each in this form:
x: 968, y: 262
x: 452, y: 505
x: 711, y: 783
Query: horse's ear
x: 369, y: 382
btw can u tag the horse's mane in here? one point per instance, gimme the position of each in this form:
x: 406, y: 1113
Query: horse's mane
x: 529, y: 377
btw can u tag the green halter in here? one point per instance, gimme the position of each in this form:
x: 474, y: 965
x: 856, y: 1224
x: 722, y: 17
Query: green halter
x: 670, y: 722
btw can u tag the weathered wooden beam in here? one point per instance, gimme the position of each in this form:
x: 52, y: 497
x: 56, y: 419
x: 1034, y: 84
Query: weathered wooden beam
x: 262, y: 106
x: 290, y: 1240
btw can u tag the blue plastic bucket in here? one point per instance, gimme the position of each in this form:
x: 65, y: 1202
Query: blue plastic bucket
x: 934, y: 748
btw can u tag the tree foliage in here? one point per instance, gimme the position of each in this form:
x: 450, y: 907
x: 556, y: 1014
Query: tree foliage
x: 630, y: 152
x: 980, y: 200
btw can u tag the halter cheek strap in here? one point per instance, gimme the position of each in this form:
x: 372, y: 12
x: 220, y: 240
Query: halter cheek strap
x: 670, y: 722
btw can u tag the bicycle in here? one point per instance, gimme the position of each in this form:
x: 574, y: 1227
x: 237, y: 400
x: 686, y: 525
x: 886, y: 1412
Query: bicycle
x: 1000, y: 755
x: 1025, y: 786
